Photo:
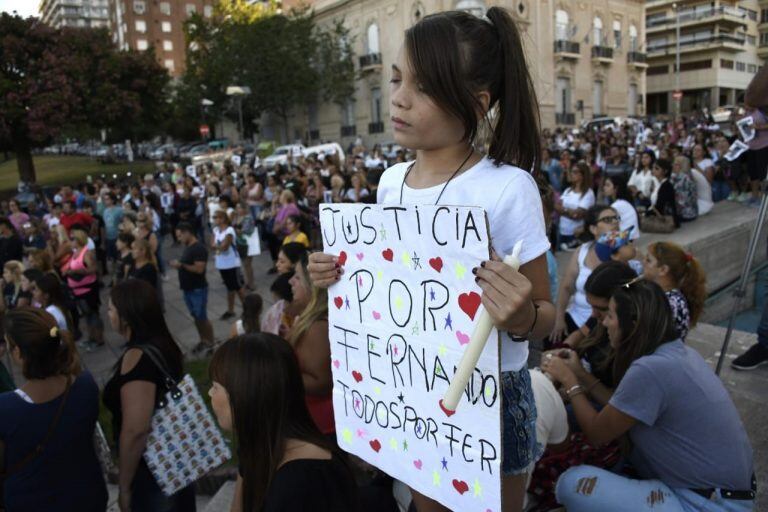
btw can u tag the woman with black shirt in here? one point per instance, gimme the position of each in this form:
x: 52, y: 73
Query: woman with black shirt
x: 285, y: 462
x: 133, y: 391
x: 144, y: 263
x: 663, y: 196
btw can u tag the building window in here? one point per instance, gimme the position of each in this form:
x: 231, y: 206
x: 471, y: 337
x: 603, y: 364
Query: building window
x: 657, y: 70
x: 139, y: 7
x: 563, y: 98
x: 141, y: 26
x: 633, y: 38
x: 764, y: 39
x: 741, y: 66
x: 597, y: 98
x: 372, y: 38
x: 763, y: 15
x: 751, y: 40
x: 168, y: 45
x: 751, y: 68
x: 142, y: 44
x: 165, y: 26
x: 617, y: 34
x: 597, y: 31
x: 726, y: 64
x: 208, y: 11
x: 168, y: 63
x: 696, y: 65
x: 165, y: 8
x: 190, y: 9
x: 376, y: 105
x: 348, y: 113
x: 632, y: 100
x: 561, y: 26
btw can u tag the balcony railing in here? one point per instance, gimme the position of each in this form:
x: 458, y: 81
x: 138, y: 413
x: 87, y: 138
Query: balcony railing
x: 565, y: 47
x: 636, y: 57
x: 567, y: 118
x: 371, y: 60
x: 314, y: 134
x: 348, y: 131
x: 376, y: 127
x: 720, y: 38
x: 700, y: 15
x: 602, y: 52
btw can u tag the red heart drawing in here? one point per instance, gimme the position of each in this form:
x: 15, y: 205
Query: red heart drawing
x: 388, y: 254
x: 436, y: 263
x: 376, y: 445
x: 342, y: 258
x: 469, y: 302
x: 338, y: 302
x: 357, y: 376
x: 460, y: 486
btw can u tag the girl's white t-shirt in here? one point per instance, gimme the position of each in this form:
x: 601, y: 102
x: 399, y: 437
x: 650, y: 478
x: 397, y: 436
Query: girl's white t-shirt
x: 229, y: 258
x: 511, y: 199
x: 643, y: 181
x: 61, y: 320
x: 573, y: 200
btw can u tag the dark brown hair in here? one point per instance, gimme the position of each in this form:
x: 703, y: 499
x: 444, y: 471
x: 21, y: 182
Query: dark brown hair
x: 252, y: 305
x: 46, y: 350
x: 455, y: 55
x: 266, y: 397
x: 645, y: 321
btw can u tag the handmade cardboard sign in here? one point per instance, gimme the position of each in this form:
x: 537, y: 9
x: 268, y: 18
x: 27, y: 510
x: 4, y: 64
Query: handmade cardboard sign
x: 399, y: 321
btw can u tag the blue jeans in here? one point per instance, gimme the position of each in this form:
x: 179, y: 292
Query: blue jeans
x: 591, y: 489
x: 197, y: 302
x: 518, y: 419
x: 762, y: 327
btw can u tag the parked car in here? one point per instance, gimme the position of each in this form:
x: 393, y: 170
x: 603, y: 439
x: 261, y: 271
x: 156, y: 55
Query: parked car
x: 280, y: 156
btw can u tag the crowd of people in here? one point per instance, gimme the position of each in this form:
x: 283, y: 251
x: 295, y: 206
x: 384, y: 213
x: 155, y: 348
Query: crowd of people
x: 619, y: 397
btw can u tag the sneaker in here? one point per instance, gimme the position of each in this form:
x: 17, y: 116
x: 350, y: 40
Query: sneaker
x: 227, y: 315
x: 733, y: 196
x: 744, y: 197
x: 752, y: 358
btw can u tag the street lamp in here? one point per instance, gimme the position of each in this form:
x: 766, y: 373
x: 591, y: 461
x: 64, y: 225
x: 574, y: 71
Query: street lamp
x: 239, y: 91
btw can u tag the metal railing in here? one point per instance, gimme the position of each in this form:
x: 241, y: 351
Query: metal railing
x: 376, y: 127
x: 348, y: 131
x: 698, y: 15
x: 638, y: 57
x: 602, y: 52
x: 568, y: 118
x: 725, y: 38
x: 564, y: 46
x: 370, y: 60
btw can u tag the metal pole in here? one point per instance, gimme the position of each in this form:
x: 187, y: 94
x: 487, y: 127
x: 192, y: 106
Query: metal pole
x: 240, y: 110
x: 741, y: 288
x: 678, y: 101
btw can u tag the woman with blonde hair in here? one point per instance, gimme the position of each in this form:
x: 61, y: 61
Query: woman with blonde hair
x: 309, y: 338
x: 60, y: 247
x: 144, y: 262
x: 81, y: 272
x: 683, y: 280
x: 10, y: 285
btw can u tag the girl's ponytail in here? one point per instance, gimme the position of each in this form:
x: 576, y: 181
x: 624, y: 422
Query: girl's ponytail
x: 516, y: 134
x: 686, y: 272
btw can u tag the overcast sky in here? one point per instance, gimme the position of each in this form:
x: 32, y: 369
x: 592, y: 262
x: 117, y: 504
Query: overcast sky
x: 23, y: 7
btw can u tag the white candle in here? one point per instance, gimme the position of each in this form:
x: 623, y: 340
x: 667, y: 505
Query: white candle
x: 476, y: 345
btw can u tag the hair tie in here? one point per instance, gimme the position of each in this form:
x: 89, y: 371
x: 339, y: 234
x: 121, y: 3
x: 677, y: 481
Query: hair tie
x: 54, y: 332
x: 688, y: 257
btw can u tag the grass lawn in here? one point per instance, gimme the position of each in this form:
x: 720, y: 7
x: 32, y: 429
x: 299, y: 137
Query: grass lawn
x: 63, y: 169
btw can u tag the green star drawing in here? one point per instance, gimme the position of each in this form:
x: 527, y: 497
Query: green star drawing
x: 383, y: 232
x: 477, y: 489
x: 438, y: 370
x: 346, y: 434
x: 435, y: 478
x: 415, y: 330
x: 460, y: 270
x: 372, y: 346
x: 405, y: 446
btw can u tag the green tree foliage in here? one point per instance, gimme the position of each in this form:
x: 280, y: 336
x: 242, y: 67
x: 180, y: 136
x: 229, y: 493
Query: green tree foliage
x: 287, y: 60
x: 72, y: 81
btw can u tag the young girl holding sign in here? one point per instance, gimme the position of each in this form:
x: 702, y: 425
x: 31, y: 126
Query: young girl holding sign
x: 455, y: 74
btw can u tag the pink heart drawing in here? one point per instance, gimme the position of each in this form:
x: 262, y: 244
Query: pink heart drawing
x: 417, y: 463
x: 463, y: 338
x: 376, y: 315
x: 336, y: 363
x: 361, y: 433
x: 360, y: 256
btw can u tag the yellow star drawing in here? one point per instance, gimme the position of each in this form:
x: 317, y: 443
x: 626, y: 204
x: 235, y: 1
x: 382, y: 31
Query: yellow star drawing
x: 460, y: 270
x: 442, y: 349
x: 346, y: 434
x: 379, y: 275
x: 488, y: 391
x: 393, y: 443
x: 477, y: 489
x: 435, y: 478
x: 398, y: 302
x: 406, y: 259
x: 377, y: 390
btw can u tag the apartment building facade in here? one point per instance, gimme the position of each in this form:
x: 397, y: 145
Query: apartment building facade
x: 584, y: 57
x: 75, y: 13
x: 720, y: 49
x: 159, y: 24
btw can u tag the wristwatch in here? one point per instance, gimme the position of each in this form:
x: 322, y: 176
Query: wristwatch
x: 527, y: 336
